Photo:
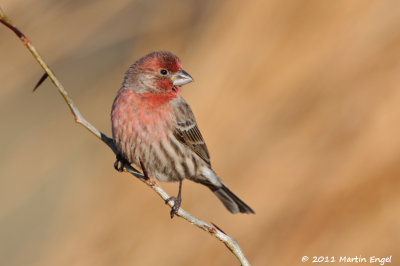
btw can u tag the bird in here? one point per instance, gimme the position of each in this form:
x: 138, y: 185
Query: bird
x: 154, y: 127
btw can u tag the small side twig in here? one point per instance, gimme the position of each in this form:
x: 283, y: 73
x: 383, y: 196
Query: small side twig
x: 230, y: 242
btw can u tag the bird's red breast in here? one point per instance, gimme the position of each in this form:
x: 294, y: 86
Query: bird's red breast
x: 141, y: 116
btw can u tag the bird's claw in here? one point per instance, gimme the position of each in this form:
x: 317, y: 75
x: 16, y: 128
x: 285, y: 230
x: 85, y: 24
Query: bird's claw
x: 175, y: 207
x: 120, y: 163
x: 118, y: 166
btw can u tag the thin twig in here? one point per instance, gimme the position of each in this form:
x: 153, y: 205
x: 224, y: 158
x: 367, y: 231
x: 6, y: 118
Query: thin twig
x: 230, y: 242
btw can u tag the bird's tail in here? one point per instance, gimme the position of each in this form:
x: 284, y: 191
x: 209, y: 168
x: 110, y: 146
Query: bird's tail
x: 232, y: 202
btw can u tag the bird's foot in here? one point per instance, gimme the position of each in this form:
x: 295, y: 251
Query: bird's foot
x: 176, y: 206
x: 177, y: 201
x: 120, y: 163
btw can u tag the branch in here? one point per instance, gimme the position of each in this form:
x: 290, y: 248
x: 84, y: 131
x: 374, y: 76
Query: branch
x: 230, y: 242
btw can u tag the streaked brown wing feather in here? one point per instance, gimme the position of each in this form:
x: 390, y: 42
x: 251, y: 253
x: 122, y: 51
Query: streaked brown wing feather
x: 189, y: 134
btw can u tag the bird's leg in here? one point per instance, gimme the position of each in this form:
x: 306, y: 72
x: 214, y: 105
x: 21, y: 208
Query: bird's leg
x: 177, y: 201
x: 144, y: 169
x: 120, y: 163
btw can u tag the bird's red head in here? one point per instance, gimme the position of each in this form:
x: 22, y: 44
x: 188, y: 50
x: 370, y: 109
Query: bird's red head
x: 157, y: 72
x: 156, y: 61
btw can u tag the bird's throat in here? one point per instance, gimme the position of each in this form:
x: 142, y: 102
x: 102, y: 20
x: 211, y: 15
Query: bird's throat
x: 157, y: 99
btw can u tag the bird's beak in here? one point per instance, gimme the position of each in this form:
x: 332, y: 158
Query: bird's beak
x: 181, y: 78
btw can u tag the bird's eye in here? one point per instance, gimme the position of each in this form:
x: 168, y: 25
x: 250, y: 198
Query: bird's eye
x: 163, y: 72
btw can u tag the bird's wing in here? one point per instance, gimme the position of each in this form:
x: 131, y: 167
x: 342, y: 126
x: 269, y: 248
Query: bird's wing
x: 187, y: 132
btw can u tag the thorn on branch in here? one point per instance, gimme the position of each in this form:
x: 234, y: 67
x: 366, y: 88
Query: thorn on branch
x: 41, y: 80
x: 217, y: 227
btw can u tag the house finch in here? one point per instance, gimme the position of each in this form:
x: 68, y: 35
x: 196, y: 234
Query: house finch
x: 153, y: 127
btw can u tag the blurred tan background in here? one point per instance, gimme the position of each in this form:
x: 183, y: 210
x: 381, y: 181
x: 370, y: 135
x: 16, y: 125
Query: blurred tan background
x: 299, y: 102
